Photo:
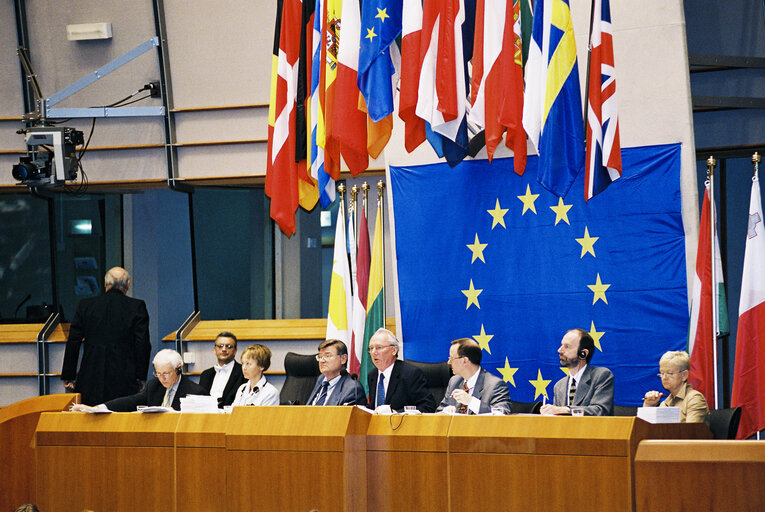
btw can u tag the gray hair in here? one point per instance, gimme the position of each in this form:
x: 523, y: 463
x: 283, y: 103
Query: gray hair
x: 391, y: 337
x: 677, y: 358
x: 118, y: 278
x: 167, y: 355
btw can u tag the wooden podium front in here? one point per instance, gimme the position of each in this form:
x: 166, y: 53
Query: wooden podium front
x: 531, y: 462
x: 296, y: 458
x: 116, y: 462
x: 200, y: 462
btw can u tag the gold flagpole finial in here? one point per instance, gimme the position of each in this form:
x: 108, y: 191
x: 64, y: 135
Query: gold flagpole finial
x: 711, y: 163
x: 756, y: 158
x: 341, y: 188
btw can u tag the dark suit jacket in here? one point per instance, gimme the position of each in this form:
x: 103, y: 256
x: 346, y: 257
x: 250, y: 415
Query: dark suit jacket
x: 153, y: 394
x: 490, y: 389
x: 407, y: 386
x: 115, y: 331
x: 235, y: 379
x: 346, y: 392
x: 595, y: 392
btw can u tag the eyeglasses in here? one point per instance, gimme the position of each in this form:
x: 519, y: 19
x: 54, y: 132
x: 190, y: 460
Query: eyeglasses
x: 455, y: 358
x: 227, y: 346
x: 164, y: 375
x: 324, y: 357
x: 667, y: 374
x: 379, y: 348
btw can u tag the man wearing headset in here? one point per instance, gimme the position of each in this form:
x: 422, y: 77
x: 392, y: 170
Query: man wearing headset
x: 588, y: 387
x: 167, y: 389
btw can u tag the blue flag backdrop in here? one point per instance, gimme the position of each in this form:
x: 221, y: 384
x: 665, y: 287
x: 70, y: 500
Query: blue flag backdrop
x: 488, y: 254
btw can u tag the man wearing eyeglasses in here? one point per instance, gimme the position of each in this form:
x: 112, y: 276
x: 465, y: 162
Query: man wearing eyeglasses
x: 472, y: 390
x: 166, y: 389
x: 335, y: 386
x: 393, y: 382
x: 223, y: 379
x: 590, y: 388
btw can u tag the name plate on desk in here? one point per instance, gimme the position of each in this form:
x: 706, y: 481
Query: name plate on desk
x: 659, y: 414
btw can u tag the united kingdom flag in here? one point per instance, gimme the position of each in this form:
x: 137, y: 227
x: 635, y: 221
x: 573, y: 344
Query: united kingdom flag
x: 604, y: 160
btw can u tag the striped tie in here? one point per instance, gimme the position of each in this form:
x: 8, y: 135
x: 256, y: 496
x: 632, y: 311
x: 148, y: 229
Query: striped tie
x: 323, y: 394
x: 571, y: 392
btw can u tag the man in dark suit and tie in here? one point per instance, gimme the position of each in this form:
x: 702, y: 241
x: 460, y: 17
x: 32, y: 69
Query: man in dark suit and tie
x: 335, y: 385
x: 472, y: 390
x: 393, y: 382
x: 223, y: 379
x: 114, y: 329
x: 166, y: 390
x: 588, y: 387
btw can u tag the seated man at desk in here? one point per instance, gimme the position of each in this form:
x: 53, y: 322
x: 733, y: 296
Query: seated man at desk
x: 335, y: 385
x: 166, y: 389
x: 394, y: 382
x: 223, y: 379
x: 472, y: 390
x: 674, y: 367
x: 588, y: 387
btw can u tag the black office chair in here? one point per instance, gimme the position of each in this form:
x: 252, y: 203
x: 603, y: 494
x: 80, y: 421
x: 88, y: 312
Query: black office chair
x: 724, y: 422
x: 437, y: 375
x: 301, y: 371
x: 625, y: 410
x: 525, y: 407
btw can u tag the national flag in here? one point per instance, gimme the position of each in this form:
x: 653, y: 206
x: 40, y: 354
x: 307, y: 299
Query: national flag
x: 552, y: 109
x: 338, y: 318
x: 331, y: 46
x: 604, y: 157
x: 527, y: 9
x: 380, y: 26
x: 358, y: 348
x: 411, y: 63
x: 497, y: 81
x: 308, y: 192
x: 749, y: 373
x: 281, y: 168
x: 702, y: 330
x: 448, y: 234
x: 375, y: 296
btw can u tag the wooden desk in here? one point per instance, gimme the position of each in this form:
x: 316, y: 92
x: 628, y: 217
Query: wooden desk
x: 117, y: 462
x: 700, y: 475
x: 17, y: 457
x: 296, y: 458
x: 200, y: 462
x: 531, y: 462
x: 407, y: 461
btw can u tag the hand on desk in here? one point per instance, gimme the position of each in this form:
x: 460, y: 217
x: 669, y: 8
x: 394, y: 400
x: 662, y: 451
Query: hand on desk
x: 81, y: 408
x: 552, y: 410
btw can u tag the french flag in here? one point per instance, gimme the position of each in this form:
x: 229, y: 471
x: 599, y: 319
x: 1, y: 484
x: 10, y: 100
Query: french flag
x: 604, y: 160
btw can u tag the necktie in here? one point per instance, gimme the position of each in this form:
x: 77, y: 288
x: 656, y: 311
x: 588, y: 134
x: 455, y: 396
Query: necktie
x: 166, y: 400
x: 381, y: 391
x: 571, y: 392
x: 323, y: 394
x: 466, y: 389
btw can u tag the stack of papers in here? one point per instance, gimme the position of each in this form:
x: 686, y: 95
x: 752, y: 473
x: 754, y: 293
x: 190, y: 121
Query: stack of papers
x: 659, y: 414
x: 199, y: 403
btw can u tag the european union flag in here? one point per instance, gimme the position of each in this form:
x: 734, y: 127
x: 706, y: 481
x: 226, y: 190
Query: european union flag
x: 485, y: 253
x: 380, y: 26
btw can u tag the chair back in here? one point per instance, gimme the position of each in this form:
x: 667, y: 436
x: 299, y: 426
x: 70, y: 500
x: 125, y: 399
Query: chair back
x: 625, y: 410
x: 302, y: 371
x: 525, y: 407
x: 724, y: 422
x: 437, y: 375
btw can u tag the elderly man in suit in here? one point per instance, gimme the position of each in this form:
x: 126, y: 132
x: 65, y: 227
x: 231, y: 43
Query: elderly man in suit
x: 166, y: 390
x: 223, y: 379
x: 588, y: 387
x: 335, y: 385
x: 114, y: 330
x: 393, y: 382
x: 472, y: 390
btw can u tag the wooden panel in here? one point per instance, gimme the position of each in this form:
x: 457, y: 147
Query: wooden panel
x: 405, y: 480
x: 201, y: 479
x: 202, y: 430
x: 114, y: 429
x: 717, y: 475
x: 473, y: 480
x: 17, y: 457
x: 19, y: 333
x: 399, y: 432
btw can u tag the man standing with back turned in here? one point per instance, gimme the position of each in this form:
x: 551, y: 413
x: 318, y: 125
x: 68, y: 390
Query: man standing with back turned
x: 115, y: 331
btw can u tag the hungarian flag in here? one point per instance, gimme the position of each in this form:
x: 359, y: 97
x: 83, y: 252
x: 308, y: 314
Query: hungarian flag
x: 281, y: 168
x: 702, y: 330
x: 338, y: 324
x: 375, y: 296
x: 604, y: 157
x: 749, y: 373
x: 358, y: 348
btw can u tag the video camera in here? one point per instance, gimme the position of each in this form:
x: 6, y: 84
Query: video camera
x: 51, y: 157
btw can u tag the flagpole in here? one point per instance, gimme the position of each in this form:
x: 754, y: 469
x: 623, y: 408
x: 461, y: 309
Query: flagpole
x: 756, y: 159
x: 380, y: 187
x: 354, y: 206
x: 365, y: 193
x: 587, y: 79
x: 341, y: 191
x: 711, y: 162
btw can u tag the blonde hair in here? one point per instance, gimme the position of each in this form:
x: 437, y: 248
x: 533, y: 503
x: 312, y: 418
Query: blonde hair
x: 261, y: 354
x: 677, y: 358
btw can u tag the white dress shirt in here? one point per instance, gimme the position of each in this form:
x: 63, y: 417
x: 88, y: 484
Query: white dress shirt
x: 263, y: 393
x: 222, y: 373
